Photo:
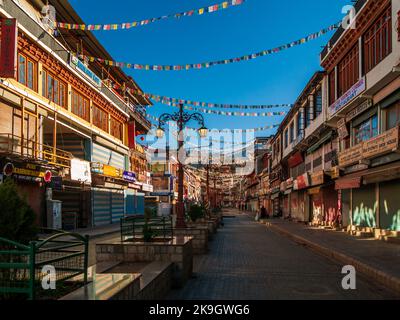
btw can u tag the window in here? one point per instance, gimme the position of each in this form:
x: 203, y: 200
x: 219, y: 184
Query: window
x: 286, y: 139
x: 393, y: 116
x: 100, y: 118
x: 378, y: 41
x: 366, y: 130
x: 348, y: 70
x: 54, y: 89
x: 307, y: 111
x: 317, y: 103
x: 26, y: 72
x: 80, y: 106
x: 299, y: 124
x: 116, y: 129
x: 332, y: 87
x: 291, y: 132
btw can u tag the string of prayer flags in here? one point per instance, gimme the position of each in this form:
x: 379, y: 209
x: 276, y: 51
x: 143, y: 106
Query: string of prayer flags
x: 268, y: 127
x: 124, y: 26
x: 205, y: 65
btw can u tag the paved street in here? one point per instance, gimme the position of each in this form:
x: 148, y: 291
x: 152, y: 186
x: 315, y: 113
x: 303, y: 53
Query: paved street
x: 248, y: 261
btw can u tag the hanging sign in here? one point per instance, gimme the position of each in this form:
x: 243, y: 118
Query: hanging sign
x: 8, y: 51
x: 82, y: 68
x: 342, y: 129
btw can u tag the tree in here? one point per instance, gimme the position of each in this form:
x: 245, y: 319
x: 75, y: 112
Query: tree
x: 17, y: 219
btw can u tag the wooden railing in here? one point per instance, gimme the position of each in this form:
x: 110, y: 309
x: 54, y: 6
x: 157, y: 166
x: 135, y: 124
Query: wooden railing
x: 12, y: 144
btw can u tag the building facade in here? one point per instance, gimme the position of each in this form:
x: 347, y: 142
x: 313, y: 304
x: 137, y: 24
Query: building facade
x: 68, y: 126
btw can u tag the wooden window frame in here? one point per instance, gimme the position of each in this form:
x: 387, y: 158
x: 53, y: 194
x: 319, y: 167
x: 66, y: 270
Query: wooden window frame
x: 387, y: 113
x: 349, y: 70
x: 78, y: 106
x: 377, y: 41
x: 61, y: 98
x: 114, y: 121
x: 34, y: 73
x: 100, y: 124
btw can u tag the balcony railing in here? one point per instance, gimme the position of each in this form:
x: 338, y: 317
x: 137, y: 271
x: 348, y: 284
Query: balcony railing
x: 26, y: 148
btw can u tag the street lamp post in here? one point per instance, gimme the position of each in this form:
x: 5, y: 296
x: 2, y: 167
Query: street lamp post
x: 181, y: 118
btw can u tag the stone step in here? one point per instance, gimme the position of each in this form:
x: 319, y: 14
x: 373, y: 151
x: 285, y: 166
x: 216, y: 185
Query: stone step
x: 363, y: 234
x: 390, y: 239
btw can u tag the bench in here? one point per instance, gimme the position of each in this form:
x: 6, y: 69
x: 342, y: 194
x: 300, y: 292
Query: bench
x: 142, y: 229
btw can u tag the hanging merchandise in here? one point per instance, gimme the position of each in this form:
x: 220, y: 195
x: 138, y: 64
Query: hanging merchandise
x: 213, y: 63
x: 124, y: 26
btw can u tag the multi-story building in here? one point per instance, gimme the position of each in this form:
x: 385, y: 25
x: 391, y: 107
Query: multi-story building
x: 363, y: 69
x: 68, y: 126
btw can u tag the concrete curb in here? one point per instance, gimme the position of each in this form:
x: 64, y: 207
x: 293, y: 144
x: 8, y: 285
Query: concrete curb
x: 373, y: 273
x: 99, y: 235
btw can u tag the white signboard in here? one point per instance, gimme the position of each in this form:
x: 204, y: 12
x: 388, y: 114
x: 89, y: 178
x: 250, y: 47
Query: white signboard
x: 80, y: 171
x: 352, y: 93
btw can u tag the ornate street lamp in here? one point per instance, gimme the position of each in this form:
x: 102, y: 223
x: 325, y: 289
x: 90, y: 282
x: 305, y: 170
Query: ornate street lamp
x: 181, y: 118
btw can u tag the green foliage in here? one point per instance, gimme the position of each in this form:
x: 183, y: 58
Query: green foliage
x: 196, y: 212
x: 148, y: 233
x: 17, y: 219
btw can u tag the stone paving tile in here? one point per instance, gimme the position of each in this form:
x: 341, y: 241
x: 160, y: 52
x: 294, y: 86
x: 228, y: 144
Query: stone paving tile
x: 378, y: 254
x: 249, y: 262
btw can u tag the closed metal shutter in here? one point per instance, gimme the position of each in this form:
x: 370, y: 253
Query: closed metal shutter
x: 389, y: 213
x: 101, y: 207
x: 129, y: 202
x: 108, y: 157
x: 140, y: 204
x: 117, y: 206
x: 75, y: 203
x: 364, y: 206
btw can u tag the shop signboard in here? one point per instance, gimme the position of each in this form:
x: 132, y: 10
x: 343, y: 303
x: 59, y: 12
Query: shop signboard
x: 350, y: 95
x: 358, y: 110
x: 129, y: 176
x: 80, y: 171
x: 303, y: 181
x: 317, y: 178
x: 380, y: 145
x: 110, y: 171
x: 83, y: 69
x: 350, y: 156
x: 384, y: 143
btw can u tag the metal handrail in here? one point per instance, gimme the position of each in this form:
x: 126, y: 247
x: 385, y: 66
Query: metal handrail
x: 13, y: 144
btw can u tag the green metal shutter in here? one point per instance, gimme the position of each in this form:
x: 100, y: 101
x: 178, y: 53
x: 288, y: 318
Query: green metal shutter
x: 117, y: 206
x: 101, y: 207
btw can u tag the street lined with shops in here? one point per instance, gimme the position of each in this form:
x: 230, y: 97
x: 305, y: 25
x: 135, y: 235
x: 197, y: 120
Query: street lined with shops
x: 247, y: 260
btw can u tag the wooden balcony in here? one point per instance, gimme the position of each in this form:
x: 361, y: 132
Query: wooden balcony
x: 14, y: 145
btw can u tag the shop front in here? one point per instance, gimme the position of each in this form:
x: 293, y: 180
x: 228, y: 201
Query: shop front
x: 31, y: 180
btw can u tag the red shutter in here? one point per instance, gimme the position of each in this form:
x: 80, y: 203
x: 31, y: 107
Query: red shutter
x: 132, y: 135
x: 8, y: 54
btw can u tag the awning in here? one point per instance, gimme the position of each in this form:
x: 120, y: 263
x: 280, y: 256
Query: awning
x: 320, y: 143
x: 348, y: 183
x: 382, y: 173
x: 390, y: 100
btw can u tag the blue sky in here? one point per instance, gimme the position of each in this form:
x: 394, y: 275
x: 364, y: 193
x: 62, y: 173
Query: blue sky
x: 254, y: 26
